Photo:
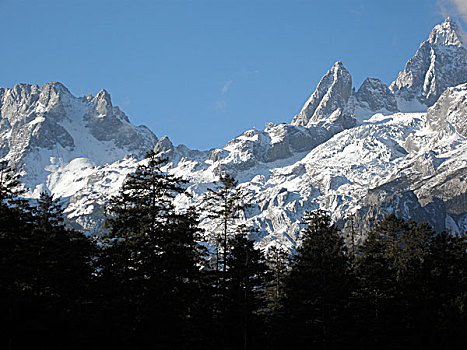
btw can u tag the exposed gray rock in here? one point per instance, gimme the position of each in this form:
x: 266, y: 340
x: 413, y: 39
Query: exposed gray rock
x: 330, y: 97
x: 48, y: 134
x: 216, y: 155
x: 107, y: 123
x: 184, y: 151
x: 403, y: 203
x: 164, y: 147
x: 450, y: 111
x: 375, y: 96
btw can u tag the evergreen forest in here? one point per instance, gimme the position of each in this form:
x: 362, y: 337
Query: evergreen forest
x: 156, y: 280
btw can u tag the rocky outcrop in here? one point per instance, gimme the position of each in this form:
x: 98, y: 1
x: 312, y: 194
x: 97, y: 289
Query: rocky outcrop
x: 374, y: 96
x: 164, y: 147
x: 109, y: 123
x: 450, y: 111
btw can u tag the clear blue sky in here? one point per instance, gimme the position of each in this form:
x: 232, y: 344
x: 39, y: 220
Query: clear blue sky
x: 202, y: 72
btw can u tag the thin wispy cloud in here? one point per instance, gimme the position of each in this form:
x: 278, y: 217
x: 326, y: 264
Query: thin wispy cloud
x: 462, y: 8
x: 226, y: 87
x: 127, y: 102
x: 240, y: 77
x: 221, y: 104
x: 456, y: 8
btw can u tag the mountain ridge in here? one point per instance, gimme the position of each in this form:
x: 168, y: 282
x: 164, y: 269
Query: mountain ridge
x: 359, y: 152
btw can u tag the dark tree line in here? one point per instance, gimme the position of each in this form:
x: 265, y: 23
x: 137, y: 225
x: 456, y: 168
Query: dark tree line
x: 150, y: 284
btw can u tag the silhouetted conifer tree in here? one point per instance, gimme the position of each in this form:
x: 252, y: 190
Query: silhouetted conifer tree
x: 316, y: 289
x: 51, y: 272
x: 245, y: 287
x: 152, y: 259
x: 377, y: 298
x: 443, y: 317
x: 223, y: 205
x: 278, y: 263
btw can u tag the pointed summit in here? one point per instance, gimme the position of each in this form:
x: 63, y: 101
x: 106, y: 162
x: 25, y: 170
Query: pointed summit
x: 446, y: 33
x: 439, y: 63
x: 103, y: 103
x: 332, y: 93
x: 164, y: 147
x: 338, y: 65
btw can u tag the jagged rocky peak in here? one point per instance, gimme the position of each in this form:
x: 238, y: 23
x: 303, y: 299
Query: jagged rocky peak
x: 164, y: 147
x: 19, y: 103
x: 108, y: 123
x: 439, y: 63
x: 53, y: 96
x: 48, y: 117
x: 375, y: 96
x: 103, y: 103
x: 331, y: 95
x: 29, y: 118
x: 446, y: 33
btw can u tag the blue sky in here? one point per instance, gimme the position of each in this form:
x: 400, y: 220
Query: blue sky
x: 202, y: 72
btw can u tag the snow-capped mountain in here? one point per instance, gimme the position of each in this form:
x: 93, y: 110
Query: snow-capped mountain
x: 46, y: 130
x: 352, y: 152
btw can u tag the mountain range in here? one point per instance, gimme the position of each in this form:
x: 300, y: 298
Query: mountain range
x: 355, y: 153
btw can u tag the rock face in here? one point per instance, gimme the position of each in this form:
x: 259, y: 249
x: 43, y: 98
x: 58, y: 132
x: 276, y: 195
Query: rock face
x: 347, y: 152
x: 439, y: 63
x: 329, y: 99
x: 450, y: 112
x: 164, y: 147
x: 374, y: 96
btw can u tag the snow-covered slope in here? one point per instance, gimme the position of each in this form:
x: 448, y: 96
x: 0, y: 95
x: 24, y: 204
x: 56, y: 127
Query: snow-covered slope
x: 413, y: 164
x: 348, y: 152
x: 46, y: 131
x: 398, y: 163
